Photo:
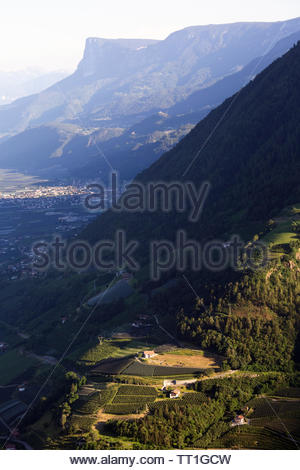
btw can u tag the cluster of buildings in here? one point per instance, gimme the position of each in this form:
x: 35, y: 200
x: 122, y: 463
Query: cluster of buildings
x: 239, y: 420
x: 15, y: 242
x: 43, y: 196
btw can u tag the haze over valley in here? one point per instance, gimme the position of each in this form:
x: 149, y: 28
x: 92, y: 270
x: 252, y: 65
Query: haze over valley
x: 150, y: 230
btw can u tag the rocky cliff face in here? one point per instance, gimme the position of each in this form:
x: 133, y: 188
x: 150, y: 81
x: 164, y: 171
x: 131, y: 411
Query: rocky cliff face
x: 104, y: 57
x: 123, y: 77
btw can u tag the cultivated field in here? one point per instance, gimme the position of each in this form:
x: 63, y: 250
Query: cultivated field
x: 186, y: 358
x: 131, y: 399
x: 114, y: 348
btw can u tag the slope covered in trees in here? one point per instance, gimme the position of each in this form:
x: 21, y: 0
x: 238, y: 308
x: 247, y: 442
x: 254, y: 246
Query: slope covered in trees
x: 251, y: 161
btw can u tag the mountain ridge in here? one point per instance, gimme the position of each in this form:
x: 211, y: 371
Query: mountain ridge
x: 180, y: 63
x: 131, y: 149
x: 230, y: 176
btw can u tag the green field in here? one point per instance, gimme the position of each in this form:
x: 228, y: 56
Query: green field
x: 185, y: 352
x: 114, y: 348
x: 282, y: 234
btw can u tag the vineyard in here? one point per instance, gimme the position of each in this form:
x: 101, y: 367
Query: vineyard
x: 136, y: 390
x: 170, y: 404
x: 264, y: 408
x: 250, y: 437
x: 194, y: 398
x: 113, y: 367
x: 124, y: 408
x: 115, y: 349
x: 92, y: 405
x: 131, y: 399
x: 291, y: 392
x: 147, y: 370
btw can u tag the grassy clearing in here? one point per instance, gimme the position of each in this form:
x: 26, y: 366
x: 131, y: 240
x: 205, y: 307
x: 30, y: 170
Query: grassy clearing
x: 186, y: 358
x: 114, y: 348
x: 186, y: 352
x: 281, y: 235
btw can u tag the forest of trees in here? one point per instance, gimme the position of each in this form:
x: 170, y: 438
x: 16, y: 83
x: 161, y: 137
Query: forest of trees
x: 253, y: 321
x: 181, y: 426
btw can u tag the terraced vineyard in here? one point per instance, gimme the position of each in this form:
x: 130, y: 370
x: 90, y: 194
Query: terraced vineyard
x: 291, y: 392
x: 124, y: 408
x: 130, y: 366
x: 265, y: 408
x: 114, y: 349
x: 194, y: 398
x: 113, y: 367
x: 93, y: 403
x: 147, y: 370
x: 250, y: 437
x: 136, y: 390
x: 131, y: 399
x: 170, y: 403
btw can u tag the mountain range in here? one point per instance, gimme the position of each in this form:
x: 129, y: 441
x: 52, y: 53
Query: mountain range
x: 20, y: 83
x: 131, y: 100
x: 251, y: 162
x: 103, y: 386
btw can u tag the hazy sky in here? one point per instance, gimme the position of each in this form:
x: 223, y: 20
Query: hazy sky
x: 51, y: 33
